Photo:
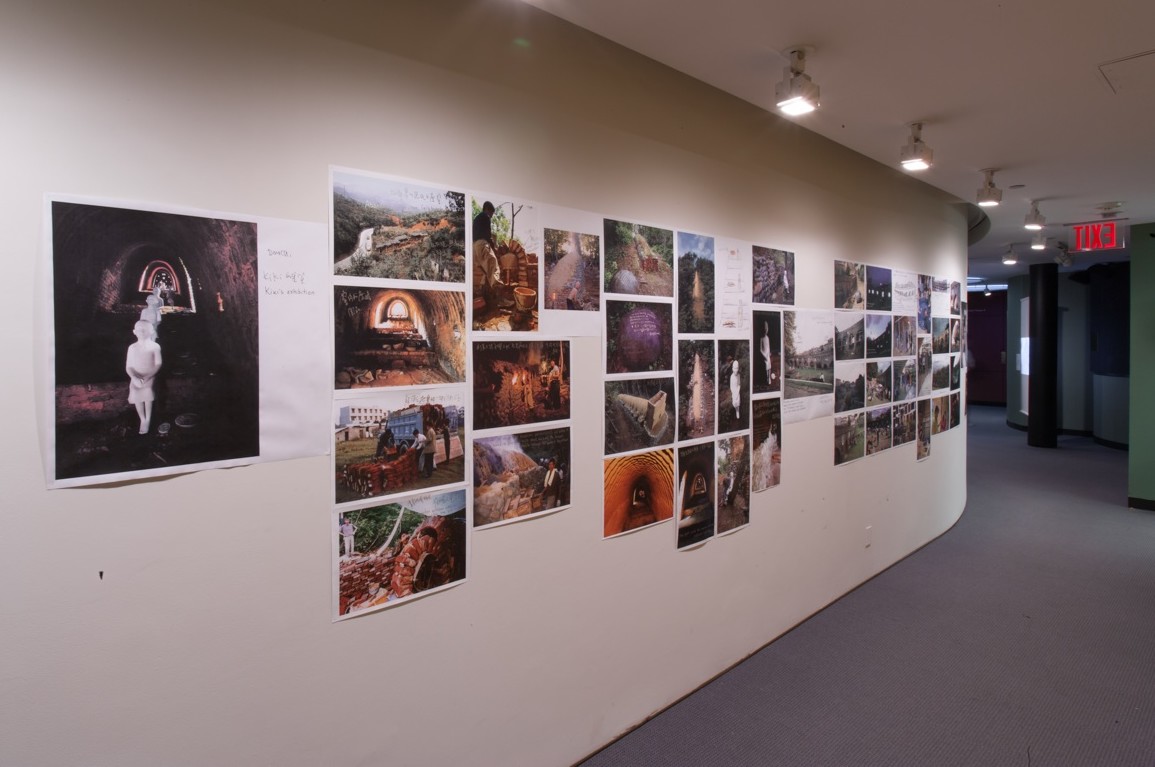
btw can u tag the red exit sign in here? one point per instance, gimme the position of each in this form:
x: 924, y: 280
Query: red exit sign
x: 1103, y: 235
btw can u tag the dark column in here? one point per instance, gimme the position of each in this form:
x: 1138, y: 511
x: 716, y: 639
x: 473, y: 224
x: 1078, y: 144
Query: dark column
x: 1043, y: 399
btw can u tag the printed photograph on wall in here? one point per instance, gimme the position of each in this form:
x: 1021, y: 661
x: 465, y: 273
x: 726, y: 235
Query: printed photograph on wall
x: 696, y: 499
x: 773, y: 277
x: 955, y: 335
x: 696, y: 279
x: 904, y: 423
x: 767, y: 459
x: 925, y: 291
x: 849, y: 386
x: 520, y: 382
x: 925, y: 425
x: 878, y: 335
x: 767, y: 370
x: 849, y: 438
x: 941, y: 335
x: 877, y: 430
x: 904, y: 293
x: 507, y: 248
x: 395, y: 229
x: 398, y: 442
x: 573, y: 271
x: 879, y: 383
x: 905, y: 334
x: 639, y: 414
x: 849, y: 285
x: 395, y: 552
x: 516, y: 476
x: 925, y: 358
x: 639, y: 337
x: 156, y: 343
x: 940, y: 297
x: 878, y: 289
x: 955, y: 372
x: 734, y: 389
x: 638, y: 491
x: 905, y: 379
x: 955, y: 298
x: 940, y: 376
x: 733, y: 492
x: 733, y: 265
x: 940, y: 412
x: 397, y: 337
x: 808, y: 337
x: 696, y: 388
x: 849, y: 335
x: 639, y: 259
x: 955, y: 410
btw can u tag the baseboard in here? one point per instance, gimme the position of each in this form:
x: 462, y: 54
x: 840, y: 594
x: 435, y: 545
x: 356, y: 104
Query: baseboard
x: 1141, y: 503
x: 1109, y: 443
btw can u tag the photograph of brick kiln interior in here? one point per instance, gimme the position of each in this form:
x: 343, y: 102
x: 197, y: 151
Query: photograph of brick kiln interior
x: 639, y: 491
x: 392, y: 337
x: 191, y: 283
x: 520, y: 382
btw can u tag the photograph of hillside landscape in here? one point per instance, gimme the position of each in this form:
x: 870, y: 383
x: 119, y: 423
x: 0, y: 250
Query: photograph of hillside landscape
x: 695, y: 283
x: 639, y: 259
x: 393, y: 229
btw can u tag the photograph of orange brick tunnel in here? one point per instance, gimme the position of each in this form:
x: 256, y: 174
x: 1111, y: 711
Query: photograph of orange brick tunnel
x: 639, y: 491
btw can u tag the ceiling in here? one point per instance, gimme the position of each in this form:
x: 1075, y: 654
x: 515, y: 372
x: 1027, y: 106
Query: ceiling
x: 1057, y: 95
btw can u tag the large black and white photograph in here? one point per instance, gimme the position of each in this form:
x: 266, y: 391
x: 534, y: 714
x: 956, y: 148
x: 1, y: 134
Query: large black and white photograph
x: 156, y: 360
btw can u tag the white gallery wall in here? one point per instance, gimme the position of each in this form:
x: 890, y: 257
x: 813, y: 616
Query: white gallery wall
x: 187, y: 621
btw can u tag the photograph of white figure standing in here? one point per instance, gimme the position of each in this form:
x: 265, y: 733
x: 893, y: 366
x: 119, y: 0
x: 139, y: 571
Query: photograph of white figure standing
x: 142, y: 363
x: 183, y: 283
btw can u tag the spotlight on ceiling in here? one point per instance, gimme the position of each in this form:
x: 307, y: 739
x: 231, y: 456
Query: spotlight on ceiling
x: 1034, y: 220
x: 1039, y: 241
x: 915, y: 155
x: 986, y: 290
x: 1009, y: 257
x: 989, y: 195
x: 1064, y: 257
x: 797, y: 94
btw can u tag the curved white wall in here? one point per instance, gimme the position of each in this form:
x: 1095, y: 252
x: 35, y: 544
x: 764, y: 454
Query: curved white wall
x: 208, y: 640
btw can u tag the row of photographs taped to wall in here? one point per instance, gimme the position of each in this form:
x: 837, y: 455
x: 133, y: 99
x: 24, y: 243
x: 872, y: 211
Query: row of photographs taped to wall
x: 396, y: 229
x: 859, y: 287
x: 389, y: 553
x: 397, y: 337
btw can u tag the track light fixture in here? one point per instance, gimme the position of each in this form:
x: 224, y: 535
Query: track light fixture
x: 1034, y: 220
x: 797, y: 94
x: 989, y: 195
x: 1039, y: 241
x: 915, y: 155
x: 1009, y: 257
x: 1064, y: 257
x: 986, y: 290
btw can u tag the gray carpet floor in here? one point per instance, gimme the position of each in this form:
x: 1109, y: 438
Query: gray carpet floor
x: 1025, y: 635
